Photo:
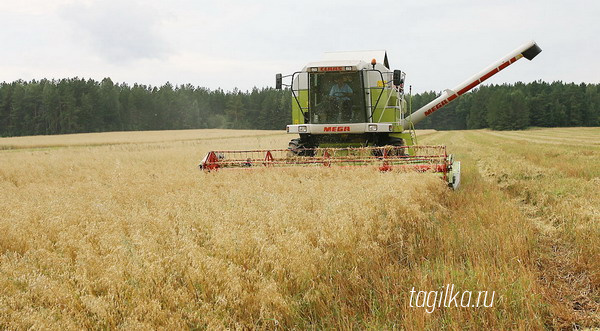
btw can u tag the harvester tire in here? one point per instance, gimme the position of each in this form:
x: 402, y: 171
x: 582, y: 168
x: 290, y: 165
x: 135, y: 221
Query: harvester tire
x: 394, y: 142
x: 397, y: 142
x: 296, y: 148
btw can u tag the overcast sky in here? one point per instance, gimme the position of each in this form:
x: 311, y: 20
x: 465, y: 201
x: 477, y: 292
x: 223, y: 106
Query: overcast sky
x: 243, y: 44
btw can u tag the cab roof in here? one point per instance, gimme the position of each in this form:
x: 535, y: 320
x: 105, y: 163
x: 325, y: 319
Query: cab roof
x: 356, y: 56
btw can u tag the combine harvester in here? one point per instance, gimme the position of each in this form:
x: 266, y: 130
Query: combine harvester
x: 349, y: 110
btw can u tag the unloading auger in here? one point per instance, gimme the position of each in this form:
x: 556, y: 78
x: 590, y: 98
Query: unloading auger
x: 349, y: 111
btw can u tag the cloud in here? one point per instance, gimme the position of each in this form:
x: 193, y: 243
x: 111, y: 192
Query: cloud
x: 118, y: 32
x: 243, y: 44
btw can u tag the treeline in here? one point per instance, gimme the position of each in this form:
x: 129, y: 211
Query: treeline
x: 518, y: 106
x: 78, y: 105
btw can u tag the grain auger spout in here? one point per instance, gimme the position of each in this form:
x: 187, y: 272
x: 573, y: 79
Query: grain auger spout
x: 528, y: 50
x: 349, y: 110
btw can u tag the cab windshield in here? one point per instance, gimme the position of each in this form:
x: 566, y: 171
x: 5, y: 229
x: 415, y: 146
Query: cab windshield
x: 336, y: 98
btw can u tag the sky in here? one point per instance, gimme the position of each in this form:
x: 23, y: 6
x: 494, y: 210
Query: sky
x: 243, y: 44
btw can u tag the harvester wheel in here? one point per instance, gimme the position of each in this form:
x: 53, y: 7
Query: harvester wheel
x: 394, y: 142
x: 397, y: 142
x: 297, y: 148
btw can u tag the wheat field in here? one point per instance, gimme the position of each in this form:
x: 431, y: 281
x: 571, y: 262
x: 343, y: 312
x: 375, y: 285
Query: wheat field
x: 122, y: 230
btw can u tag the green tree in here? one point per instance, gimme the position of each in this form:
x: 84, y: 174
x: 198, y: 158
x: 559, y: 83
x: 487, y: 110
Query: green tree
x: 234, y: 109
x: 109, y: 106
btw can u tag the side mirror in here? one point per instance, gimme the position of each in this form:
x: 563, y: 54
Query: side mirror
x: 398, y: 78
x: 278, y: 81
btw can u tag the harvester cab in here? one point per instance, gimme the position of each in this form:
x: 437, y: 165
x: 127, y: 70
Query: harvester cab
x: 349, y: 99
x: 349, y: 109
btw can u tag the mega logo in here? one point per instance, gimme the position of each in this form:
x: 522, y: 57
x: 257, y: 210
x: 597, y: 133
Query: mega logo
x: 336, y: 129
x: 436, y: 107
x: 440, y: 105
x: 331, y: 68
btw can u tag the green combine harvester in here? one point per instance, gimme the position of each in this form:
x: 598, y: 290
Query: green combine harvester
x: 349, y: 109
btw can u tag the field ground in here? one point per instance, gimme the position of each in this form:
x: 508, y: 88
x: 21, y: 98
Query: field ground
x: 121, y: 229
